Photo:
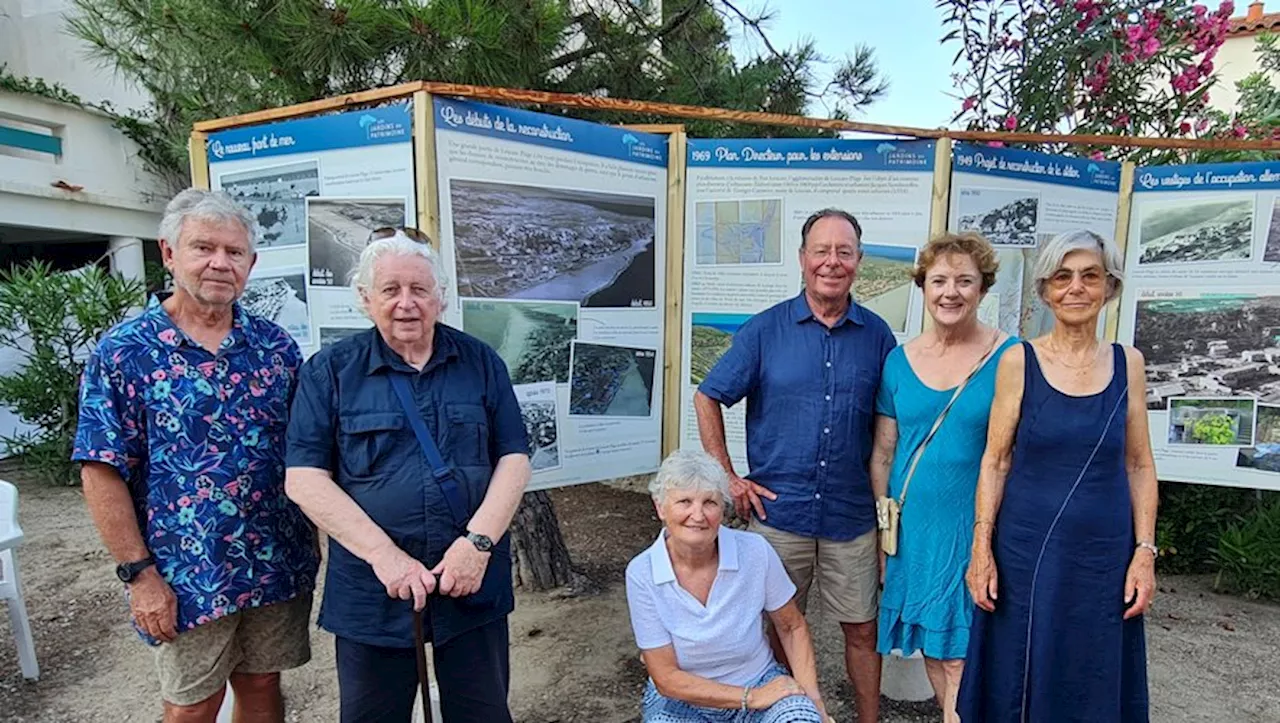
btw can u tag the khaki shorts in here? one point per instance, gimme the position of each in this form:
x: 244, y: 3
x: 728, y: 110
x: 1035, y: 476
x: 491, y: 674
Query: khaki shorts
x: 268, y: 639
x: 847, y: 572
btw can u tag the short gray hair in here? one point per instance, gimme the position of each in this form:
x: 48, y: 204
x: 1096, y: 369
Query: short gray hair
x: 206, y: 206
x: 1053, y: 253
x: 692, y: 470
x: 397, y: 245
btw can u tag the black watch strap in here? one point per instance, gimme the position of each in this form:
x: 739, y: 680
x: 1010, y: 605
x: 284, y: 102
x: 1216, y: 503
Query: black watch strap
x: 482, y: 542
x: 129, y: 570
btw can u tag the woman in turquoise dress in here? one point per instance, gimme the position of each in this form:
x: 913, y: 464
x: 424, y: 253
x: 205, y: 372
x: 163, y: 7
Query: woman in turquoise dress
x: 925, y: 605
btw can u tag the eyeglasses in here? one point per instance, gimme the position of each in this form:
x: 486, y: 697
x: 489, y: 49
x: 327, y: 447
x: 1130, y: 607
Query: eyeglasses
x: 1092, y: 278
x: 388, y: 231
x: 845, y: 254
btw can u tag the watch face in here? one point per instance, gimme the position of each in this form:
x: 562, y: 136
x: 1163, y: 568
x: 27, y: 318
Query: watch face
x: 481, y: 542
x: 123, y: 573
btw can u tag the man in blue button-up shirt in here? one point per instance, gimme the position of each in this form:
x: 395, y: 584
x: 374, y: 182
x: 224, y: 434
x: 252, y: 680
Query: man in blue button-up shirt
x: 357, y: 469
x: 809, y: 368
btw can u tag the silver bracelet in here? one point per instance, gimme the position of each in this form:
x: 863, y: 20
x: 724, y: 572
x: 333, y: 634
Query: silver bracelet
x: 1144, y: 545
x: 746, y: 691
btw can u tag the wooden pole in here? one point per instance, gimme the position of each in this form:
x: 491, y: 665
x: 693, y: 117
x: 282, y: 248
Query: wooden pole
x: 314, y: 107
x: 1123, y: 209
x: 940, y: 209
x: 198, y: 159
x: 673, y: 322
x: 426, y: 179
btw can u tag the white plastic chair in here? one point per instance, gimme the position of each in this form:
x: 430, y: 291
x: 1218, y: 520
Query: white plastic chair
x: 11, y: 582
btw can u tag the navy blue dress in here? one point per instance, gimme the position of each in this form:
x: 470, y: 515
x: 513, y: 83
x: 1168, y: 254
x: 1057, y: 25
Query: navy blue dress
x: 1057, y: 648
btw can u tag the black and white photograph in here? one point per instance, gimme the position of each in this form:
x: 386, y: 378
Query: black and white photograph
x: 554, y: 244
x: 1264, y: 455
x: 1220, y: 229
x: 611, y: 381
x: 280, y: 295
x: 541, y: 425
x: 338, y: 230
x: 276, y: 196
x: 330, y: 335
x: 1271, y: 254
x: 532, y: 337
x: 1216, y: 345
x: 1005, y: 217
x: 1211, y: 421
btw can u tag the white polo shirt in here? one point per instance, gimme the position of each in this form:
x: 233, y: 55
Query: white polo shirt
x: 723, y: 640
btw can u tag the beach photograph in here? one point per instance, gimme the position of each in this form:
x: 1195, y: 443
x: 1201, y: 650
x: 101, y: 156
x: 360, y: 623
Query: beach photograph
x: 884, y: 283
x: 553, y: 244
x: 276, y: 196
x: 611, y: 381
x: 532, y: 337
x: 338, y: 230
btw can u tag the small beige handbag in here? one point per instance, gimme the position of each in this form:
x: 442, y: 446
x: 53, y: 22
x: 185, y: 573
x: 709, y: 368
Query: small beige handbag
x: 889, y: 510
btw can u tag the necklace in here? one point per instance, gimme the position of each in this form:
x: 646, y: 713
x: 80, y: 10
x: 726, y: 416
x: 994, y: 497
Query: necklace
x: 1061, y: 358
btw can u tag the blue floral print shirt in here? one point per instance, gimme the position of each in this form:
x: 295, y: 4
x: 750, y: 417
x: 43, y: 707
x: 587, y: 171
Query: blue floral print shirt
x: 199, y: 439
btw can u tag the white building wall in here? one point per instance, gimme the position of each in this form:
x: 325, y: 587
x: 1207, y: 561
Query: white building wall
x: 35, y: 42
x: 1234, y: 62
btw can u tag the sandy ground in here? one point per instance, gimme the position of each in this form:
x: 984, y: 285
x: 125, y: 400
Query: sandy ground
x: 1213, y: 657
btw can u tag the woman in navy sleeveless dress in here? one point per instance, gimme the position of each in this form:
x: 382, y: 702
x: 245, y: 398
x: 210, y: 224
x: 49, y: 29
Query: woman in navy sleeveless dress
x: 1062, y: 637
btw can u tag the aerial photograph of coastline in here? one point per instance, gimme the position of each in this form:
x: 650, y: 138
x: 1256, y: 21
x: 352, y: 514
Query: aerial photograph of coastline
x: 338, y: 230
x: 1219, y: 345
x: 532, y: 337
x: 711, y: 336
x: 526, y: 242
x: 611, y: 381
x: 1216, y: 230
x: 884, y: 282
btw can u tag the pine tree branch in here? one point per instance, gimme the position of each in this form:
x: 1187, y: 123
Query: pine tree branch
x: 589, y: 50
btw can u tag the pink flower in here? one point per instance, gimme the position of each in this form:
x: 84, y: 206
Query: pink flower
x: 1202, y: 125
x: 969, y: 103
x: 1206, y: 67
x: 168, y: 336
x: 184, y: 501
x: 1097, y: 156
x: 1226, y: 8
x: 1011, y: 122
x: 1123, y: 120
x: 1185, y: 128
x: 1150, y: 46
x: 1128, y: 58
x: 996, y: 144
x: 1239, y: 131
x: 1134, y: 34
x: 257, y: 495
x: 1199, y: 10
x: 158, y: 375
x: 107, y: 456
x: 235, y: 377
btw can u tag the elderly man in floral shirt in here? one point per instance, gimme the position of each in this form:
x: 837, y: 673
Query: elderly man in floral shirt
x: 183, y: 412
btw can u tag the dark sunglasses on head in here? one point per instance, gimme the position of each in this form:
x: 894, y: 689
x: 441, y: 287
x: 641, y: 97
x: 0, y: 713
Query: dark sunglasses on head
x: 389, y: 231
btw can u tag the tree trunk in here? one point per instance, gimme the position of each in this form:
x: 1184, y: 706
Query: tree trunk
x: 539, y: 558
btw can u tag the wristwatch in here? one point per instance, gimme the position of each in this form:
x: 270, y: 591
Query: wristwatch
x: 482, y: 542
x: 129, y: 570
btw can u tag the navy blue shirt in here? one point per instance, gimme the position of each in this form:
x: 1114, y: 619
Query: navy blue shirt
x: 347, y: 419
x: 811, y: 395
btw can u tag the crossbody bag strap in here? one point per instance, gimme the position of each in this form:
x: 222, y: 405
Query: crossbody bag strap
x: 440, y: 471
x: 915, y: 459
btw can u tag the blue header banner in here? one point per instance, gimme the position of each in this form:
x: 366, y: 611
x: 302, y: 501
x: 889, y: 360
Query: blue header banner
x: 812, y: 154
x: 1032, y: 166
x: 551, y: 131
x: 1254, y: 176
x: 354, y: 129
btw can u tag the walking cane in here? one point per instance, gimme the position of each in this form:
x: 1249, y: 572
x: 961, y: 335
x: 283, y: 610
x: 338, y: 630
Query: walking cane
x: 420, y: 645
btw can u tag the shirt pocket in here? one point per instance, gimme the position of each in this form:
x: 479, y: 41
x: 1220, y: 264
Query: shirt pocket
x: 368, y: 442
x: 861, y: 385
x: 468, y: 435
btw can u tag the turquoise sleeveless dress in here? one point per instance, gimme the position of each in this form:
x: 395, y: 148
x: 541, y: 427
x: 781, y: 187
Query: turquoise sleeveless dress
x: 925, y: 604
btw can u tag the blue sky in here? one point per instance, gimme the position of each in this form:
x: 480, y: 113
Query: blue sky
x: 905, y: 36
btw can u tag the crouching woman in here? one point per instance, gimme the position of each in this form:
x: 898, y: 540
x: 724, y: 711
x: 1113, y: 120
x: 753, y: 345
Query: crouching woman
x: 697, y: 596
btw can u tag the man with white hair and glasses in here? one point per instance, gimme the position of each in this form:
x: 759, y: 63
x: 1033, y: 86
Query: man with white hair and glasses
x: 181, y: 433
x: 407, y: 447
